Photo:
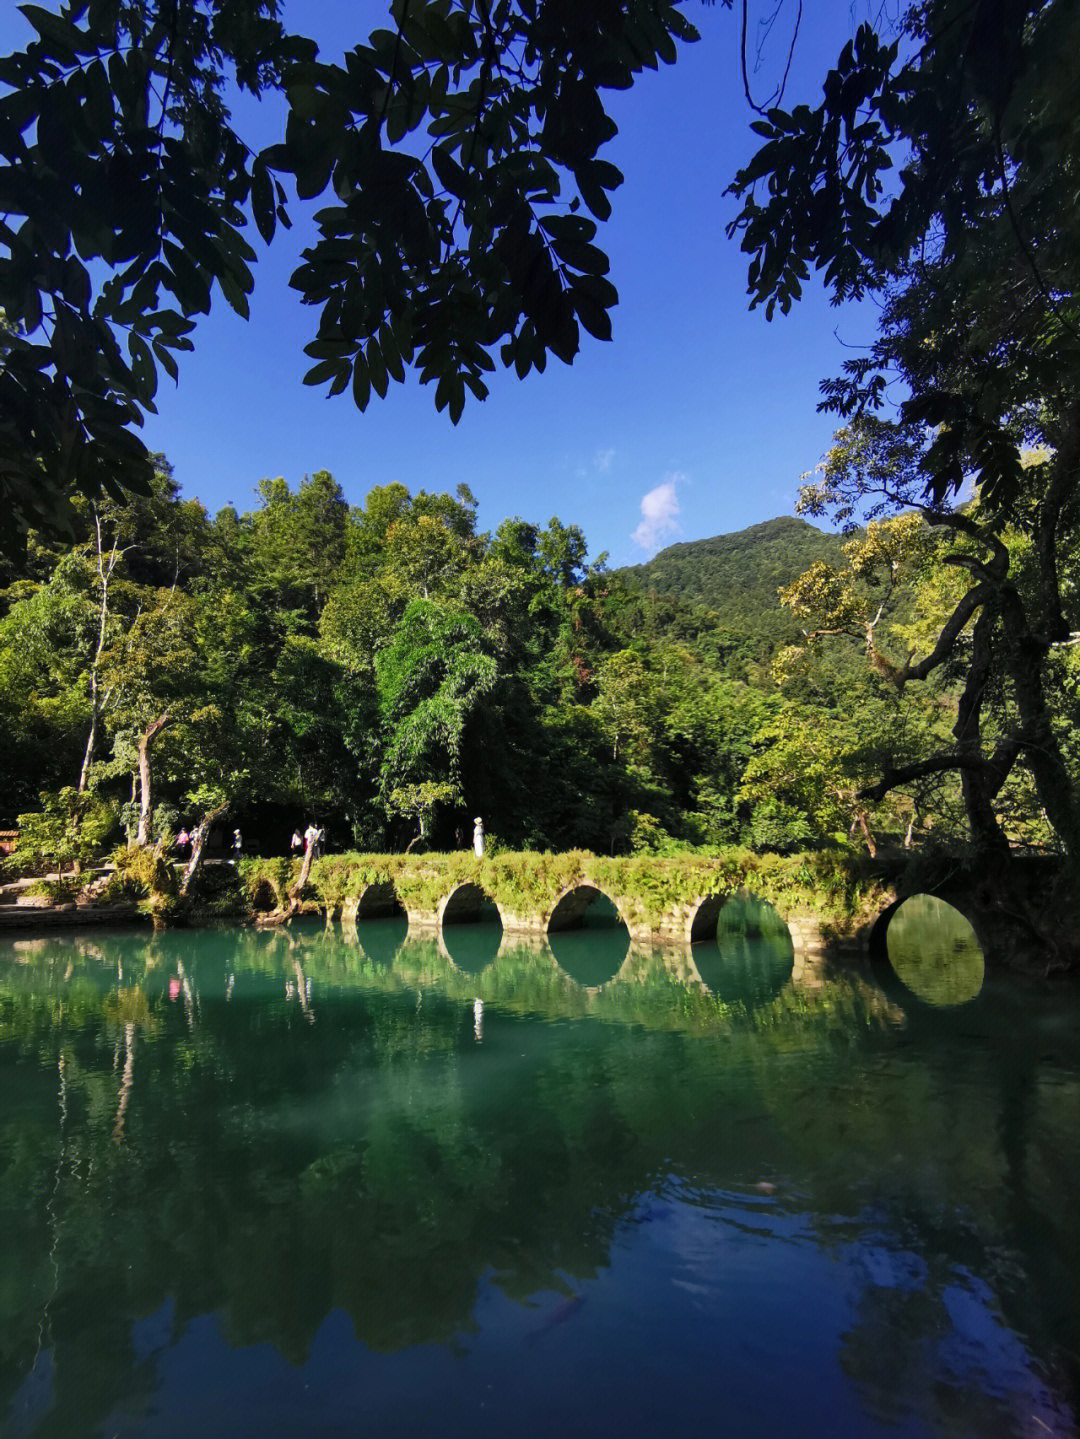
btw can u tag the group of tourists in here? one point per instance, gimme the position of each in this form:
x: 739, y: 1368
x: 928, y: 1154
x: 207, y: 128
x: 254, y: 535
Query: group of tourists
x: 311, y: 842
x: 185, y: 839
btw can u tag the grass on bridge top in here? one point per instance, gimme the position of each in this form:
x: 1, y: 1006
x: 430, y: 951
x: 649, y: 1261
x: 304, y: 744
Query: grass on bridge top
x: 831, y: 883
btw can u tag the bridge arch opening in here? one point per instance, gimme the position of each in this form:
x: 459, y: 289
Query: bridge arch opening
x: 752, y: 955
x: 588, y: 935
x: 467, y: 903
x: 932, y: 949
x: 704, y: 922
x: 379, y: 901
x: 264, y: 899
x: 583, y: 906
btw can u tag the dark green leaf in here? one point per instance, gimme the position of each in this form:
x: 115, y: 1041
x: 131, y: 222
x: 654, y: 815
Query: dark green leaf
x: 262, y: 200
x: 325, y: 370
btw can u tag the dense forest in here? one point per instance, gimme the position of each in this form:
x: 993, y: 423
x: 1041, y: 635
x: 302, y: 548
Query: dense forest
x: 390, y: 673
x: 738, y: 576
x: 388, y: 670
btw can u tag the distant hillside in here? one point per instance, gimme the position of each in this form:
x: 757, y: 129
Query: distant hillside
x: 737, y: 576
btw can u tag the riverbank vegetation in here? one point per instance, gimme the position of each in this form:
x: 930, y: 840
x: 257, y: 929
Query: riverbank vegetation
x: 390, y: 671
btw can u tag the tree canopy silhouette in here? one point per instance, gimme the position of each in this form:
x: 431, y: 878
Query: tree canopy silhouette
x: 457, y: 151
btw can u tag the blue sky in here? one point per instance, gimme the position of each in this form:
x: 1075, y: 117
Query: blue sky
x: 698, y: 418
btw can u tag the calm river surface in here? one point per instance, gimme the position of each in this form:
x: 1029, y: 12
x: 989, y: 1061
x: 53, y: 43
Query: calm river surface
x: 329, y: 1182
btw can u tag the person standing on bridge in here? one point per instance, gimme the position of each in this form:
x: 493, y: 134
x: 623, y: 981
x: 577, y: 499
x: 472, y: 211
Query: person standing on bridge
x: 478, y: 837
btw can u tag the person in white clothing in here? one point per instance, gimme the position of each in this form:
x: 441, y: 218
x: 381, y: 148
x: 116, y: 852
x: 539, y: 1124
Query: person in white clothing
x: 478, y: 838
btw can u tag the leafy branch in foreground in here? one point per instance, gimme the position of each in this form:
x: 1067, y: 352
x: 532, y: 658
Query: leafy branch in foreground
x: 460, y: 149
x: 994, y: 634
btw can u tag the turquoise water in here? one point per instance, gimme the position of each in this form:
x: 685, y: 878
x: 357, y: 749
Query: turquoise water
x: 325, y: 1182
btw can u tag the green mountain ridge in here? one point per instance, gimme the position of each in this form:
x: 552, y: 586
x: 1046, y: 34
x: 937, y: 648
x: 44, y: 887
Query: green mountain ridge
x: 737, y: 575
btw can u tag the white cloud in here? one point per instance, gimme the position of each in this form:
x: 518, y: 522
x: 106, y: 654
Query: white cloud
x: 603, y: 460
x: 659, y: 514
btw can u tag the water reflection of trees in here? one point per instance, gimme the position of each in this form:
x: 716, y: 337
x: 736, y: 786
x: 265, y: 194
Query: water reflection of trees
x: 271, y: 1170
x: 933, y: 950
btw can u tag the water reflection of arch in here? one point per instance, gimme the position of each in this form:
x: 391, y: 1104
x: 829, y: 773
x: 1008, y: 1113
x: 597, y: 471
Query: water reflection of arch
x: 590, y: 957
x: 676, y: 960
x: 380, y: 937
x: 936, y: 953
x: 470, y: 948
x: 752, y: 955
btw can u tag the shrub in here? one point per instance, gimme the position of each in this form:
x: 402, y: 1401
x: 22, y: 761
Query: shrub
x: 145, y: 868
x: 218, y: 889
x: 119, y: 888
x: 70, y: 829
x: 59, y: 891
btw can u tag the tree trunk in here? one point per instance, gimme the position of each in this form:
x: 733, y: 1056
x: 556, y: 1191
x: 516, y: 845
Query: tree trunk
x: 297, y: 889
x: 1054, y: 785
x: 104, y: 575
x: 864, y: 825
x: 143, y: 836
x: 198, y: 844
x: 91, y: 739
x: 1025, y: 657
x: 976, y: 784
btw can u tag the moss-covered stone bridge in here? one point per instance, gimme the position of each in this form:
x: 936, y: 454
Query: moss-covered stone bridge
x: 829, y: 900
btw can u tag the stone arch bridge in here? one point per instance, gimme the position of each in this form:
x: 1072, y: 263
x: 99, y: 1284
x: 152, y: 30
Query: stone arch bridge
x: 1003, y: 911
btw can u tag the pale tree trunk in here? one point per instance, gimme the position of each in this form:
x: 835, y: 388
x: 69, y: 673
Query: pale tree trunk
x: 418, y: 839
x: 104, y: 569
x: 296, y: 891
x: 91, y: 739
x: 198, y: 844
x: 143, y: 836
x: 298, y: 888
x: 859, y: 821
